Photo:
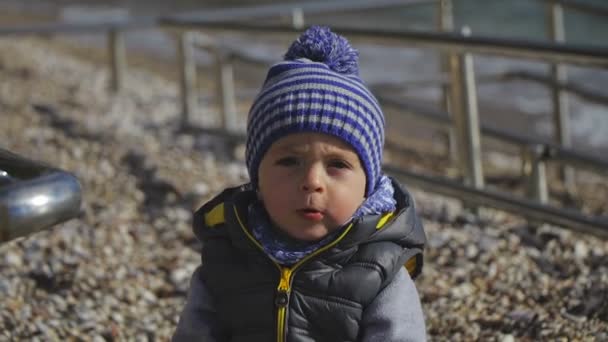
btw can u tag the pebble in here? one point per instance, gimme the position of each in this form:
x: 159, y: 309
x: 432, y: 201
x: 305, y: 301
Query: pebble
x: 508, y: 338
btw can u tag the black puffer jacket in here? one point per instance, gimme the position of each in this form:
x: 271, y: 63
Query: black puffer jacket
x: 322, y: 297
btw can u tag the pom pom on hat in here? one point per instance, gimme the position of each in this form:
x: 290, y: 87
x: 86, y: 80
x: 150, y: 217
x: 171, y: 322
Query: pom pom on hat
x: 319, y: 44
x: 317, y: 89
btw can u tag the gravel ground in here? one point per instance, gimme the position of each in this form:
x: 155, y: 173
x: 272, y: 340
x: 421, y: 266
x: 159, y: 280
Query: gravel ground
x: 120, y: 270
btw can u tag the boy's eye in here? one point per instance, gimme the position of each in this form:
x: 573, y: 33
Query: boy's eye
x: 339, y: 164
x: 287, y: 161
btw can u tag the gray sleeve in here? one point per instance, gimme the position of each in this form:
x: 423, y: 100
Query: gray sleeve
x: 197, y: 320
x: 395, y: 314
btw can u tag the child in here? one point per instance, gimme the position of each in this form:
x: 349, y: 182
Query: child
x: 313, y: 248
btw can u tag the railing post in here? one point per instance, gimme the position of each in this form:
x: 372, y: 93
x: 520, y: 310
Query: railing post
x: 187, y: 68
x: 556, y: 30
x: 537, y: 173
x: 445, y: 23
x: 116, y: 52
x: 225, y: 82
x: 463, y: 102
x: 297, y: 18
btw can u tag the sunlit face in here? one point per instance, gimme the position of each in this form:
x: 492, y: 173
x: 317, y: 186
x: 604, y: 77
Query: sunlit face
x: 311, y: 184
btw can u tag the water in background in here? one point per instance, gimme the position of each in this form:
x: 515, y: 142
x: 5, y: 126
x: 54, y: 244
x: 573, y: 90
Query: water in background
x: 518, y: 106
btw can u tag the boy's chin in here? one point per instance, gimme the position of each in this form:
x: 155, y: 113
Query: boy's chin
x: 310, y: 233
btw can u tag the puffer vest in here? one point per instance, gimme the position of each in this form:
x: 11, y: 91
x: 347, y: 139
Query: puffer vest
x: 323, y: 296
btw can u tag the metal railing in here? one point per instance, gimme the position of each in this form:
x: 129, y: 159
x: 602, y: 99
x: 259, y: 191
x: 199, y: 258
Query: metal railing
x: 457, y: 49
x: 460, y: 99
x: 440, y: 119
x: 548, y: 51
x: 34, y: 196
x: 534, y: 210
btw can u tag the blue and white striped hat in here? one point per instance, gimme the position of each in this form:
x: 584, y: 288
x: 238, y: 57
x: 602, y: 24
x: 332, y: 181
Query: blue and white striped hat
x: 317, y: 89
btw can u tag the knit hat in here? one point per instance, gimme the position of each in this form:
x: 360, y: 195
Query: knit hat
x: 317, y: 89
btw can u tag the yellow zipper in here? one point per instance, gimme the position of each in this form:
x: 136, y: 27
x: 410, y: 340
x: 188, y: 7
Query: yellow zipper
x: 284, y: 288
x: 282, y: 300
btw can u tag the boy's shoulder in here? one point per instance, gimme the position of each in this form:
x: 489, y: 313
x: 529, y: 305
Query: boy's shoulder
x: 212, y: 213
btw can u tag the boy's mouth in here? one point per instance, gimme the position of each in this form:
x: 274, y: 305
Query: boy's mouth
x: 311, y: 214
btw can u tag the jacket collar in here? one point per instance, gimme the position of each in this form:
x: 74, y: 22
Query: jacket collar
x: 403, y: 224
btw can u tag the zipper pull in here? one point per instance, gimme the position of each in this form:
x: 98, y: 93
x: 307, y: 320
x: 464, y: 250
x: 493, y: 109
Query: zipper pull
x: 281, y: 299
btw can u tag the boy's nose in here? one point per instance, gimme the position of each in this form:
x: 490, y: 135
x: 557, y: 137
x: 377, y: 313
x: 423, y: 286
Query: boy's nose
x: 312, y: 180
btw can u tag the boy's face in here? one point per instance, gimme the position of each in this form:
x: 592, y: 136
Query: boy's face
x: 311, y: 184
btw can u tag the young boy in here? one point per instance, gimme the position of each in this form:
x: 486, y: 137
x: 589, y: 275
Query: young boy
x: 314, y: 247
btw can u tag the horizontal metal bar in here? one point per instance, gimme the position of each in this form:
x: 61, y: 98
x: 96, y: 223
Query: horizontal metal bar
x: 521, y: 48
x: 441, y: 119
x: 451, y: 42
x: 582, y: 7
x: 34, y: 196
x: 568, y: 156
x: 274, y: 10
x: 79, y: 28
x: 562, y: 217
x: 553, y: 152
x: 574, y: 88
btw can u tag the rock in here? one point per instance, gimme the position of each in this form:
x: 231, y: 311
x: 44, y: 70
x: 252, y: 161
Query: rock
x: 581, y: 251
x: 13, y: 259
x: 508, y: 338
x: 181, y: 277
